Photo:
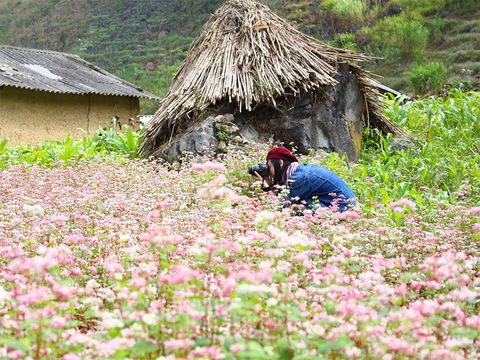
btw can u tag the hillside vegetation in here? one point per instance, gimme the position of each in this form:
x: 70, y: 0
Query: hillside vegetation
x: 422, y: 43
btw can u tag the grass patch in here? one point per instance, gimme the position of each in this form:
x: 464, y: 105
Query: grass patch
x: 463, y: 41
x: 466, y: 26
x: 461, y: 56
x: 473, y: 67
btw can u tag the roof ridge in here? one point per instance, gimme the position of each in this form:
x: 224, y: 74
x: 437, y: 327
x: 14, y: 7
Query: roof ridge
x: 38, y: 50
x: 58, y: 72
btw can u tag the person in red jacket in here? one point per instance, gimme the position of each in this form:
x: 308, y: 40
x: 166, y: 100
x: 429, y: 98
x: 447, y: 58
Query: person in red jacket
x: 308, y: 184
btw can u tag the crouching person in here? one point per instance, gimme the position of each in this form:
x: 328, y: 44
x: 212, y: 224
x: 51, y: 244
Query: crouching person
x: 308, y: 184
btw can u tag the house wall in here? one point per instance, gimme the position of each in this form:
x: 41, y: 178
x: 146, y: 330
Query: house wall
x: 31, y: 117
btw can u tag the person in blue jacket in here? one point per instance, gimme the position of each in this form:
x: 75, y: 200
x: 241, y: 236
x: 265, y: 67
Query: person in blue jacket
x: 308, y: 184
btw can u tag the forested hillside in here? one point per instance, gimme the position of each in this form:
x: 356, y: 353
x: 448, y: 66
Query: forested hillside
x: 422, y: 43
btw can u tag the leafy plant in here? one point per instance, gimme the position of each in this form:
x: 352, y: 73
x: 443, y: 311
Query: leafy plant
x: 347, y: 10
x: 408, y: 36
x: 346, y: 41
x: 103, y: 143
x: 430, y: 78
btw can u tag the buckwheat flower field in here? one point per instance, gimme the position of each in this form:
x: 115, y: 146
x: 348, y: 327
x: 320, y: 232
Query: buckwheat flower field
x: 116, y: 258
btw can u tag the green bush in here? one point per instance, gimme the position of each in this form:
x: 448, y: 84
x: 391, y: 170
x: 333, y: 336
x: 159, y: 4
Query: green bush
x: 449, y: 4
x: 436, y: 27
x: 409, y: 36
x: 441, y: 161
x: 422, y: 7
x: 430, y: 78
x: 103, y: 143
x: 346, y: 41
x: 350, y: 10
x: 406, y: 37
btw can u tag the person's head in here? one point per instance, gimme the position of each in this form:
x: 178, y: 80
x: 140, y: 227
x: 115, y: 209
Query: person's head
x: 278, y: 160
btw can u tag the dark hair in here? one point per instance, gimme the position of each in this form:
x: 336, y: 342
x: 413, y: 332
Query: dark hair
x: 278, y: 177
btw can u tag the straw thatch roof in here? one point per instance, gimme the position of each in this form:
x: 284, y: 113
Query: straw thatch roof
x: 247, y: 55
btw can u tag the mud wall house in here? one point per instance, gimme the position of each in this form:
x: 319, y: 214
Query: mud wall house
x: 46, y: 95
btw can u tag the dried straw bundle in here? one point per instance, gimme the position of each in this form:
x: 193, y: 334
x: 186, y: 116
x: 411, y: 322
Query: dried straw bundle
x: 248, y: 55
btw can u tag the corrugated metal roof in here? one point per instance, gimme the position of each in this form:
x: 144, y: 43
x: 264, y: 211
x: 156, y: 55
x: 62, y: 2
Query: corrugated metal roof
x: 56, y: 72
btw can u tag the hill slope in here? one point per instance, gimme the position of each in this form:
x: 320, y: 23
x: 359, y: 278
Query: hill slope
x: 144, y: 41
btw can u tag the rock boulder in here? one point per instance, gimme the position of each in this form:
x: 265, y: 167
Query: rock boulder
x: 332, y: 121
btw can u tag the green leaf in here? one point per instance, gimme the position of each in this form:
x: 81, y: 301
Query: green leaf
x: 338, y: 344
x: 285, y: 349
x: 202, y: 342
x: 144, y: 347
x: 22, y: 345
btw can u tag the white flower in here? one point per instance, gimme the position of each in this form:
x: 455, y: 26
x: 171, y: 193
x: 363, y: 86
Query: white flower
x: 4, y: 296
x: 150, y: 319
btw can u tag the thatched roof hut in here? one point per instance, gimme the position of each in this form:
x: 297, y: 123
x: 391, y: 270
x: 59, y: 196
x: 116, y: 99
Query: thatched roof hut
x: 246, y: 56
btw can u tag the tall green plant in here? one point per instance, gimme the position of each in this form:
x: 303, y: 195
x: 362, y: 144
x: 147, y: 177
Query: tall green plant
x: 429, y: 78
x: 352, y: 11
x: 104, y: 143
x: 442, y: 162
x: 406, y: 36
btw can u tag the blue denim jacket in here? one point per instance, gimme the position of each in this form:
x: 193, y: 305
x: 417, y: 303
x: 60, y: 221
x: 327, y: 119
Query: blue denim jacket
x: 314, y: 185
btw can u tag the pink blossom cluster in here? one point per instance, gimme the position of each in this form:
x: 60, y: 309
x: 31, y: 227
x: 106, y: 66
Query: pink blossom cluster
x: 133, y: 260
x: 401, y: 205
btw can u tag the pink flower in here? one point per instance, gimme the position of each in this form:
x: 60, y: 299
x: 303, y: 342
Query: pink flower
x: 161, y: 236
x: 398, y: 210
x: 236, y: 348
x: 398, y: 345
x: 163, y: 205
x: 58, y: 322
x: 473, y: 322
x: 74, y: 239
x: 476, y: 227
x: 16, y: 354
x: 211, y: 352
x: 64, y: 292
x: 270, y: 325
x: 10, y: 252
x: 382, y: 230
x: 180, y: 275
x: 138, y: 282
x: 59, y: 219
x: 34, y: 296
x: 153, y: 215
x: 401, y: 290
x: 208, y: 166
x: 35, y: 210
x: 349, y: 308
x: 70, y: 356
x: 463, y: 294
x: 403, y: 204
x: 346, y: 215
x: 426, y: 308
x: 177, y: 344
x: 76, y: 271
x: 228, y: 286
x: 474, y: 211
x: 113, y: 267
x: 417, y: 285
x: 353, y: 352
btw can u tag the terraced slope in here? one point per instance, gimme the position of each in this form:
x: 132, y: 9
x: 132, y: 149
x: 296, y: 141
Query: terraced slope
x: 144, y: 41
x: 459, y: 46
